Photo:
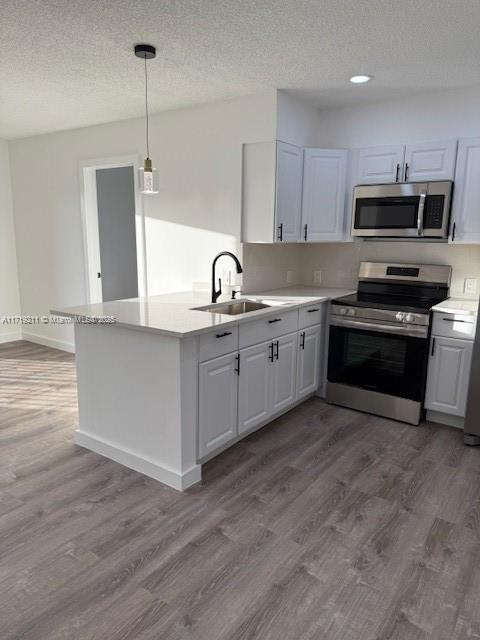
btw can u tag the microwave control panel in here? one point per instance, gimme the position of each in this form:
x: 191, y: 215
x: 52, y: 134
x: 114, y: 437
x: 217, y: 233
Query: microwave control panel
x: 433, y: 217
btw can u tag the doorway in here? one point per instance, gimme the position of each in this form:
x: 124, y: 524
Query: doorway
x: 114, y: 230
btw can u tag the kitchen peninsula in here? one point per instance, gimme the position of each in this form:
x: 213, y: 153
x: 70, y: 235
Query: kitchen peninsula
x: 171, y: 383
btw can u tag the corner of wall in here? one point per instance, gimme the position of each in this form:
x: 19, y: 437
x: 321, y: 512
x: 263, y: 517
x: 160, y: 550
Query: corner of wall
x: 9, y: 289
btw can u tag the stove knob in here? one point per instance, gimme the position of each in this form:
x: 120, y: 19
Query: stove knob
x: 400, y: 316
x: 409, y: 317
x: 342, y: 311
x: 351, y: 312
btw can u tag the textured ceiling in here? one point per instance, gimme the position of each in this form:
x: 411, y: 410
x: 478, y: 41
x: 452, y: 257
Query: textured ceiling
x: 69, y: 63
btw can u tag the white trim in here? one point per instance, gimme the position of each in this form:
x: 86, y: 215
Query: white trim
x: 89, y: 214
x: 10, y: 336
x: 63, y: 345
x: 445, y: 418
x: 150, y: 468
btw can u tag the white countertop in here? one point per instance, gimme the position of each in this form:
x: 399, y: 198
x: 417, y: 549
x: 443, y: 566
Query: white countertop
x: 457, y: 306
x: 175, y: 315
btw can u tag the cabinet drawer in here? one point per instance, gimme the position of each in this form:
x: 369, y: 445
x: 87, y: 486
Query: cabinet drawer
x: 272, y: 326
x: 454, y: 325
x: 217, y: 343
x: 309, y: 316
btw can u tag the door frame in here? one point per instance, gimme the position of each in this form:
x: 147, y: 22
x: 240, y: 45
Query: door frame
x: 89, y: 214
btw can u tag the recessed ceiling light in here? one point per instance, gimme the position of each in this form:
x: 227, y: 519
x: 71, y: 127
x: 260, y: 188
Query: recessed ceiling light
x: 360, y: 79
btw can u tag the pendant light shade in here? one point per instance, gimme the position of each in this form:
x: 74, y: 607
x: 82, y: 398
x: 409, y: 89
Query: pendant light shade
x: 148, y: 182
x: 147, y: 175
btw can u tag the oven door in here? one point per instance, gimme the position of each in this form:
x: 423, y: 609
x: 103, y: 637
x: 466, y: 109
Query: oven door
x: 393, y: 210
x: 387, y: 359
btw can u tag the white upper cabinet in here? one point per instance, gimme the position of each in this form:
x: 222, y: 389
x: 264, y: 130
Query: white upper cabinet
x: 378, y: 165
x: 271, y: 192
x: 412, y: 163
x: 285, y: 196
x: 430, y: 161
x: 288, y: 204
x: 324, y: 193
x: 465, y: 225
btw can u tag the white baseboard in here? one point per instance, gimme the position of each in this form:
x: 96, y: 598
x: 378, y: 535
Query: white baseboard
x: 445, y: 418
x: 131, y: 460
x: 63, y: 345
x: 10, y: 336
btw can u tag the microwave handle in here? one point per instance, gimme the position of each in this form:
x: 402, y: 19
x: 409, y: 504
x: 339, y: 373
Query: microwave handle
x: 421, y: 211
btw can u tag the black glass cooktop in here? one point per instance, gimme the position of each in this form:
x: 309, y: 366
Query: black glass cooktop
x: 395, y: 303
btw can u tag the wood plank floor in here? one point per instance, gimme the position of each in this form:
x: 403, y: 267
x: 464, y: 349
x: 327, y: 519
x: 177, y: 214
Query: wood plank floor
x: 327, y: 524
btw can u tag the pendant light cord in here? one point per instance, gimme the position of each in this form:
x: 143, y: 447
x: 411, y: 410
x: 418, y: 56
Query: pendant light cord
x: 146, y: 104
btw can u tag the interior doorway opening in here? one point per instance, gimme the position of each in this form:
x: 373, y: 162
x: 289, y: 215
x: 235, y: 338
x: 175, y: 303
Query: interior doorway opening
x: 113, y: 230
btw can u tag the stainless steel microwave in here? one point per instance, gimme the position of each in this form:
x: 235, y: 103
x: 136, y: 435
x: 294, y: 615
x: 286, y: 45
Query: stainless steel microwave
x: 408, y: 210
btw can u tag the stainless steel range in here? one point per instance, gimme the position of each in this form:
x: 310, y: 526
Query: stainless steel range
x: 379, y: 339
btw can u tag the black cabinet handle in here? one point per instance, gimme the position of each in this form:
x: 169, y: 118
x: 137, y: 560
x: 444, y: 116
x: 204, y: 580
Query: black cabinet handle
x: 305, y: 232
x: 99, y: 275
x: 280, y: 232
x: 455, y: 320
x: 274, y: 320
x: 302, y: 340
x: 433, y: 347
x: 222, y: 335
x: 453, y: 231
x: 277, y: 348
x: 406, y: 171
x: 270, y: 348
x: 398, y: 172
x: 312, y: 310
x: 237, y: 369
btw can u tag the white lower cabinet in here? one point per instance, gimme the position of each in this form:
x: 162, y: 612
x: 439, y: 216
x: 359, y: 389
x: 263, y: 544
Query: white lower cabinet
x: 254, y: 386
x: 267, y: 381
x: 448, y: 375
x: 240, y: 391
x: 283, y: 373
x: 309, y: 359
x: 217, y: 403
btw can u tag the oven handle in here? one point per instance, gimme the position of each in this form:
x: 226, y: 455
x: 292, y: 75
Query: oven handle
x: 417, y: 331
x: 421, y: 210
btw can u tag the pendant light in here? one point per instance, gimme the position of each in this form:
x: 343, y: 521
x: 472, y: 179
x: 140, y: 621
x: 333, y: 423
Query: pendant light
x: 147, y: 175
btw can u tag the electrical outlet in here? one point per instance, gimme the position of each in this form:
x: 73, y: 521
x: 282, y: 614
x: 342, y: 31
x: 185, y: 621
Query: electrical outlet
x: 289, y: 276
x: 470, y: 285
x: 227, y: 277
x: 317, y: 276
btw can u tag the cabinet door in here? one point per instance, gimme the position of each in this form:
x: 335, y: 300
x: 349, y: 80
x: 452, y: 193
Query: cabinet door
x: 254, y: 386
x: 324, y: 192
x: 288, y: 204
x: 284, y: 372
x: 448, y: 375
x: 217, y: 401
x: 466, y: 195
x: 377, y: 165
x: 430, y: 161
x: 309, y: 358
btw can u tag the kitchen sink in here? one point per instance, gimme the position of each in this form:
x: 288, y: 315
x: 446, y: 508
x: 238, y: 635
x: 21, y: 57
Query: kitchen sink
x: 234, y: 308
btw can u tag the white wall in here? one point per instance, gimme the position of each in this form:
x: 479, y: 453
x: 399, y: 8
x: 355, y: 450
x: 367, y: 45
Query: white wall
x: 9, y: 297
x: 437, y: 115
x: 197, y: 152
x: 297, y: 121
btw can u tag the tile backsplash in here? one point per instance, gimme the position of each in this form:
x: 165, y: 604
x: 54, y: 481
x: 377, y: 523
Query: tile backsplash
x: 266, y: 265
